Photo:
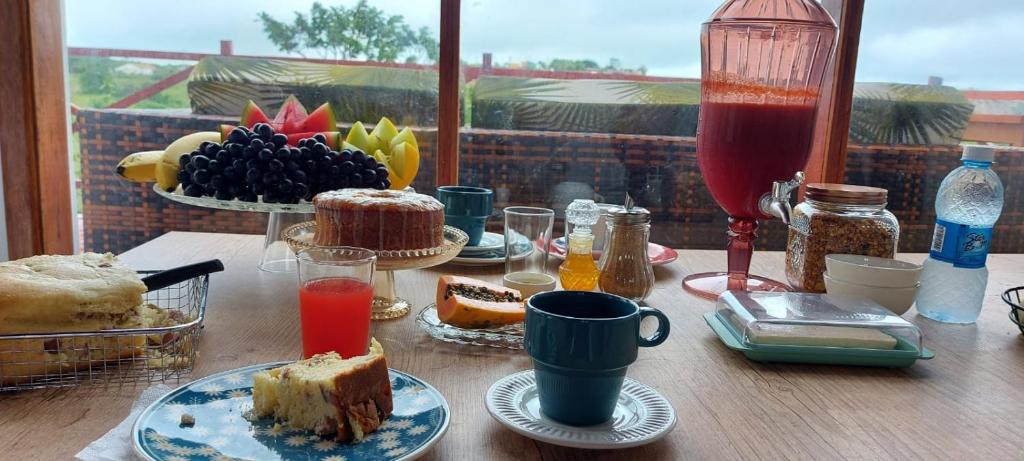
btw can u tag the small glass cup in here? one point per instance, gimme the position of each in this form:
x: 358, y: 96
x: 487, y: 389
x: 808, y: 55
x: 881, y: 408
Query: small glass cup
x: 335, y: 299
x: 527, y: 245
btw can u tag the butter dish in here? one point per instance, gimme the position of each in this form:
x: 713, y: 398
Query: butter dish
x: 815, y: 328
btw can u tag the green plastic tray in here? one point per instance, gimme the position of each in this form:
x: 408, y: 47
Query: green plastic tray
x: 904, y: 355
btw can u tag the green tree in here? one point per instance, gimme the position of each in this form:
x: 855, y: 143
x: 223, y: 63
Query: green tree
x: 358, y: 32
x: 573, y: 65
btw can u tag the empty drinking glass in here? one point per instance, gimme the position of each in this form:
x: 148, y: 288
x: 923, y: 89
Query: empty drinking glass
x: 527, y: 244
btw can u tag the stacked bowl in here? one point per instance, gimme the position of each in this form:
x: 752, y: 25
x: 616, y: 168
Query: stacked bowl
x: 889, y: 282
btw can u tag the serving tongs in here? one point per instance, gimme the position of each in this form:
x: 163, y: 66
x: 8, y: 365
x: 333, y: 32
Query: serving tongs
x: 166, y: 278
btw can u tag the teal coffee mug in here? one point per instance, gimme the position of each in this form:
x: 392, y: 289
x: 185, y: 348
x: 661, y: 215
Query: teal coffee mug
x: 467, y: 208
x: 581, y: 343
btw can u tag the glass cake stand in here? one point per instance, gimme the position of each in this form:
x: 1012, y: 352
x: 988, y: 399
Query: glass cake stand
x: 277, y: 255
x: 386, y: 303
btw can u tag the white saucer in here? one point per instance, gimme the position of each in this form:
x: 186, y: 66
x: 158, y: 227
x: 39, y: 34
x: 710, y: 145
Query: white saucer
x: 489, y: 242
x: 641, y: 416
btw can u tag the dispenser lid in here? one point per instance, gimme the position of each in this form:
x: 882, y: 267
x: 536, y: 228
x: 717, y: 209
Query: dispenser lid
x: 795, y: 11
x: 632, y: 215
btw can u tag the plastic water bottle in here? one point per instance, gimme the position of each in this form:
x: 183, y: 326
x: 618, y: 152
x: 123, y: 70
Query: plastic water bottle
x: 967, y: 206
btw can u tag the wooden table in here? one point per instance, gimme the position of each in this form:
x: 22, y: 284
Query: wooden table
x: 967, y: 403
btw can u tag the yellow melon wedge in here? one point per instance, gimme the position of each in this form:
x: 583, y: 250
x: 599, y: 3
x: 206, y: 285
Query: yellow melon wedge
x: 385, y: 131
x: 405, y: 160
x: 406, y: 136
x: 358, y: 137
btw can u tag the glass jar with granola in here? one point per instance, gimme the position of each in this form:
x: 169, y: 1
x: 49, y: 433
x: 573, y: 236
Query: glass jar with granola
x: 837, y: 218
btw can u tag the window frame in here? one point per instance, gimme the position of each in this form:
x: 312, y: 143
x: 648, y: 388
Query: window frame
x: 34, y: 130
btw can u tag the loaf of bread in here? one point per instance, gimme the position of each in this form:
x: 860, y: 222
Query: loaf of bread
x: 328, y: 394
x: 378, y: 219
x: 51, y: 294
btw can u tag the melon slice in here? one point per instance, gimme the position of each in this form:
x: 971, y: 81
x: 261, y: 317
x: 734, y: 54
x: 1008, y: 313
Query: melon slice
x: 385, y: 131
x: 470, y: 303
x: 405, y: 163
x: 358, y: 137
x: 395, y: 149
x: 405, y: 136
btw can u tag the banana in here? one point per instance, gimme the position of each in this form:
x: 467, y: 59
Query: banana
x: 140, y: 166
x: 167, y: 168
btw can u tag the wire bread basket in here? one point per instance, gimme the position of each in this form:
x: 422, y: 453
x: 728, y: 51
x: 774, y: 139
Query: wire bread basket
x: 129, y: 355
x: 1015, y: 298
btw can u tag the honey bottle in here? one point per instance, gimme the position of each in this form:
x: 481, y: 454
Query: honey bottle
x: 579, y: 271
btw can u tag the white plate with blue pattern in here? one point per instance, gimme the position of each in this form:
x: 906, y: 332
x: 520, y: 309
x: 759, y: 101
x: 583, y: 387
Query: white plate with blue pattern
x: 221, y: 431
x: 641, y: 416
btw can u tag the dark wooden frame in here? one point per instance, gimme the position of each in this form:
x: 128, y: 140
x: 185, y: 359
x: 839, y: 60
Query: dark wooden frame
x: 448, y: 99
x: 34, y: 136
x: 828, y: 159
x: 34, y: 130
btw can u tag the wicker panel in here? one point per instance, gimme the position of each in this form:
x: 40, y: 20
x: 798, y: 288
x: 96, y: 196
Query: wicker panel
x: 532, y: 168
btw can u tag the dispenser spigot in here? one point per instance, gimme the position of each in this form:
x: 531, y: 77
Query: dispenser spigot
x: 776, y: 203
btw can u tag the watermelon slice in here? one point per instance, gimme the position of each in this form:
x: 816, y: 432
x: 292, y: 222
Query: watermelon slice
x: 333, y: 137
x: 292, y: 120
x: 322, y: 119
x: 252, y: 114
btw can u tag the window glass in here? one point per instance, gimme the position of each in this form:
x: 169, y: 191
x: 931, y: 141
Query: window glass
x: 932, y: 75
x: 138, y: 85
x: 584, y: 101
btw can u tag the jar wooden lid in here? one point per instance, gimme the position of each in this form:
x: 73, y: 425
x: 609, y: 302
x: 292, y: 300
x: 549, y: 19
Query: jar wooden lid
x: 846, y: 193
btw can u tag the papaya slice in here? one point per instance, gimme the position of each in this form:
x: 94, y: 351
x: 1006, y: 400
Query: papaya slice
x: 470, y: 303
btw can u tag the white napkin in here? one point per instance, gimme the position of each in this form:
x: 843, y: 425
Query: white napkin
x: 116, y: 444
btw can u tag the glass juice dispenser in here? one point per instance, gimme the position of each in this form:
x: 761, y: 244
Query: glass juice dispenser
x: 762, y: 65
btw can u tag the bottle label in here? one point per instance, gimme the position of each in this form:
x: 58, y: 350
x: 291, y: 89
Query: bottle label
x: 960, y: 244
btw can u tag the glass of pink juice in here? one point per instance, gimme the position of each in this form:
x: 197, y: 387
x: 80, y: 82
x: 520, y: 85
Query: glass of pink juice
x: 335, y: 300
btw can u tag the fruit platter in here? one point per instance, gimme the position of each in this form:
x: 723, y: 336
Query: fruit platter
x: 277, y: 166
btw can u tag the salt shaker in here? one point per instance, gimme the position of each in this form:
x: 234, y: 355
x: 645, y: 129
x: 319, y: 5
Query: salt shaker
x: 625, y: 268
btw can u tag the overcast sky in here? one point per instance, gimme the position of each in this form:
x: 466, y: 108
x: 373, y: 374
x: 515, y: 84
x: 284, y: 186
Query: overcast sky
x: 971, y: 44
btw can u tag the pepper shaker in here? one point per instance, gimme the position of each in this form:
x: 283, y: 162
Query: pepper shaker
x: 625, y: 267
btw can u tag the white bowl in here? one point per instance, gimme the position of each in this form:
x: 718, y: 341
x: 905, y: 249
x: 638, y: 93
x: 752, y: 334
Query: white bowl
x: 529, y: 283
x: 873, y: 271
x: 896, y: 299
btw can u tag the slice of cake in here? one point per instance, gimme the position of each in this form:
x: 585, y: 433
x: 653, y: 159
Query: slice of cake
x: 327, y: 394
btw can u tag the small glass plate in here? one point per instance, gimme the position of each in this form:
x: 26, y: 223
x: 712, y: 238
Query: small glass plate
x: 509, y: 337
